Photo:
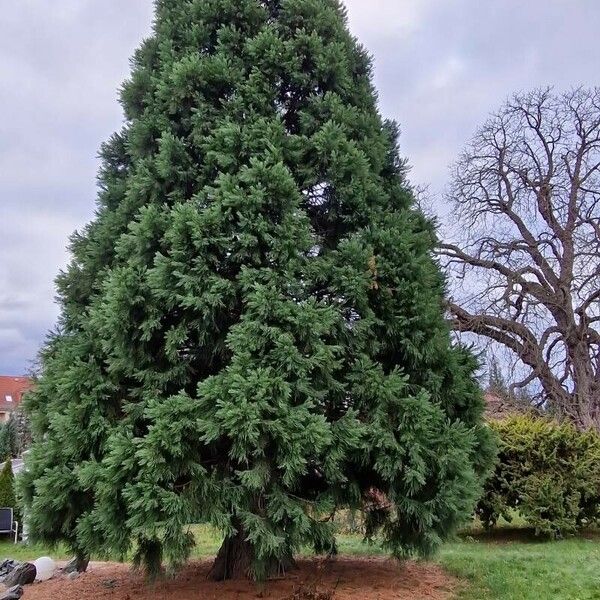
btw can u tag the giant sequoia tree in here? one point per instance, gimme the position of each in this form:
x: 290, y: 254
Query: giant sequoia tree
x: 252, y: 328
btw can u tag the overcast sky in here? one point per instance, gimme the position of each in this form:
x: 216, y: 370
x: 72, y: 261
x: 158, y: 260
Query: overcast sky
x: 441, y: 67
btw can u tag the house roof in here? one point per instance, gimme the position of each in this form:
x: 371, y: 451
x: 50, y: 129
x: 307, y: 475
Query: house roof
x: 12, y: 390
x: 498, y: 408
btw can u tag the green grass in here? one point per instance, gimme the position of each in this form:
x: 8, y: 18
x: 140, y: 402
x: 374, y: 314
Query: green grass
x: 507, y: 565
x: 525, y: 570
x: 208, y: 541
x: 512, y: 565
x: 29, y: 551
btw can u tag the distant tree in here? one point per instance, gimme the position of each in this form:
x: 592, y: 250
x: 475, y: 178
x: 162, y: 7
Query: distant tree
x: 8, y: 439
x: 7, y: 486
x: 5, y: 444
x: 252, y: 328
x: 22, y: 428
x: 512, y: 400
x: 526, y: 196
x: 496, y: 381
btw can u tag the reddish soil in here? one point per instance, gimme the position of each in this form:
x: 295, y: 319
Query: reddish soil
x: 356, y: 579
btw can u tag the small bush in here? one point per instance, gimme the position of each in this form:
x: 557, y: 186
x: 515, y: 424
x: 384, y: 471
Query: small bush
x: 548, y: 473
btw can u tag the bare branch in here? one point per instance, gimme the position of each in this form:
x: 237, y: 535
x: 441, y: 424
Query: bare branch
x: 524, y: 257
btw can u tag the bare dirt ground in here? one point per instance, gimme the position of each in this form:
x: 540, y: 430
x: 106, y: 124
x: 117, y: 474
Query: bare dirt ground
x: 347, y: 578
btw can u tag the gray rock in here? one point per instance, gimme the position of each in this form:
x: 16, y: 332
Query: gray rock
x: 14, y: 593
x: 24, y: 574
x: 6, y: 567
x: 73, y: 575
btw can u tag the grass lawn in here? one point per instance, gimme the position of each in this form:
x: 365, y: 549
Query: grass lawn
x: 512, y: 565
x: 525, y: 570
x: 507, y: 565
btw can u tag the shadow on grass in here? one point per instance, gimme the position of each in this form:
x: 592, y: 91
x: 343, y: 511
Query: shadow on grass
x: 520, y: 534
x: 504, y: 535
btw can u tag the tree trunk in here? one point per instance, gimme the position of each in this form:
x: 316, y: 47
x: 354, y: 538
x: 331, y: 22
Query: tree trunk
x: 78, y: 564
x: 235, y: 560
x: 81, y: 563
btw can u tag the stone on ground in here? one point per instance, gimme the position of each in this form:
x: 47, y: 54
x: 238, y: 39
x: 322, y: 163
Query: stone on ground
x: 24, y: 574
x: 14, y: 593
x: 6, y: 567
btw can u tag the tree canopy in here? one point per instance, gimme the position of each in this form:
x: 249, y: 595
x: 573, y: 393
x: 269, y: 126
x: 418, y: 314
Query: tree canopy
x: 526, y: 194
x: 252, y: 330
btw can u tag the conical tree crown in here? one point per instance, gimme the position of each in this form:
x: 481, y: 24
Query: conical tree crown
x: 252, y: 331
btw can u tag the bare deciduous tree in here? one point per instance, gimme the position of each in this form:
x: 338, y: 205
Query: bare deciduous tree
x: 525, y: 255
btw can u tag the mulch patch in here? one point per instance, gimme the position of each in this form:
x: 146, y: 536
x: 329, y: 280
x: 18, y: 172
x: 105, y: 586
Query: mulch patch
x: 337, y: 579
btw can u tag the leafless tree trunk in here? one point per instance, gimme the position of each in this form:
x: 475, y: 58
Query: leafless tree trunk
x: 524, y: 259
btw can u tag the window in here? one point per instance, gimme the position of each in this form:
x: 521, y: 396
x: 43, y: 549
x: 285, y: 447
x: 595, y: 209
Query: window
x: 8, y: 398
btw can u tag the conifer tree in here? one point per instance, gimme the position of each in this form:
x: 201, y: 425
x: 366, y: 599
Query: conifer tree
x: 497, y: 382
x: 7, y: 486
x: 8, y: 439
x: 252, y: 328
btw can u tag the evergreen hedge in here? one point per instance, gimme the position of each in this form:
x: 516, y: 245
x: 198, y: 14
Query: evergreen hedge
x: 548, y: 473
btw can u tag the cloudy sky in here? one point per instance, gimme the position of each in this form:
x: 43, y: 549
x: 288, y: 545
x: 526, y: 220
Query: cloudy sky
x: 441, y: 67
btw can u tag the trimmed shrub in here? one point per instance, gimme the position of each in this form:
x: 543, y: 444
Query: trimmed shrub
x: 548, y: 473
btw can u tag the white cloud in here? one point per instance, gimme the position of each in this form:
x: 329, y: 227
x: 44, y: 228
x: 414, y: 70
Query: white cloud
x: 448, y: 73
x: 31, y: 253
x: 384, y: 16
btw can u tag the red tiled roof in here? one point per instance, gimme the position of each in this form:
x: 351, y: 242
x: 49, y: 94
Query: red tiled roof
x: 14, y: 388
x: 498, y: 407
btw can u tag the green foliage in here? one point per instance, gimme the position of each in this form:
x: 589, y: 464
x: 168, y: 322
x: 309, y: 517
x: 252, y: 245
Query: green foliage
x: 8, y: 439
x: 7, y: 486
x: 547, y: 472
x: 252, y: 328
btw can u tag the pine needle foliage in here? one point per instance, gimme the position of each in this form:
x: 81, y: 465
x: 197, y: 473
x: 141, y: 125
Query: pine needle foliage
x: 252, y: 328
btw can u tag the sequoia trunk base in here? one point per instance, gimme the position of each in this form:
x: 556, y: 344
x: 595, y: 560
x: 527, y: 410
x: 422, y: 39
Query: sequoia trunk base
x: 82, y: 563
x: 235, y: 561
x: 78, y: 564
